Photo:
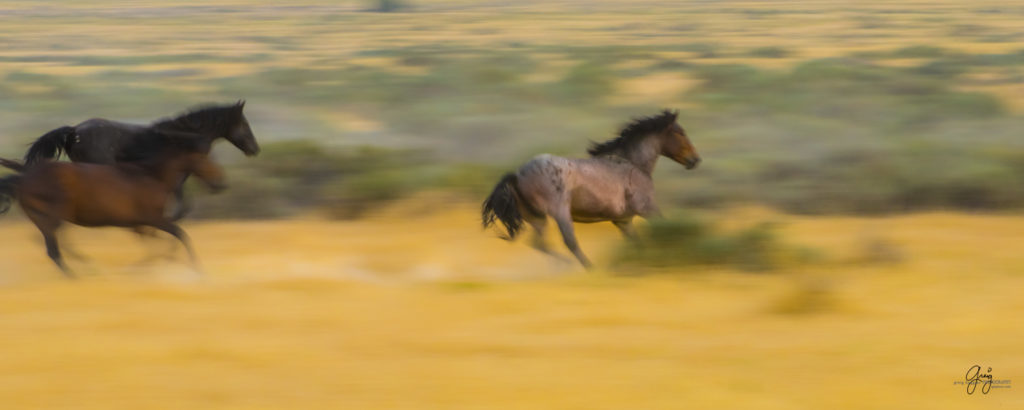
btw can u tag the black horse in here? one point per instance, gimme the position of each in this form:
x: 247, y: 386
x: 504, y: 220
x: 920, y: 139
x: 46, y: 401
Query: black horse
x: 102, y: 141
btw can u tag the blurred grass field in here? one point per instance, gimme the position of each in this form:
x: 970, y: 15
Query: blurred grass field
x: 345, y: 267
x: 390, y: 313
x: 811, y: 107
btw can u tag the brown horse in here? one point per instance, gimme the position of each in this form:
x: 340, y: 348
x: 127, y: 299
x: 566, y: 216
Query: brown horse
x: 614, y: 184
x: 129, y: 194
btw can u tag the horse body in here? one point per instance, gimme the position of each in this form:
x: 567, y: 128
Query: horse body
x: 593, y: 189
x: 130, y: 194
x: 615, y: 184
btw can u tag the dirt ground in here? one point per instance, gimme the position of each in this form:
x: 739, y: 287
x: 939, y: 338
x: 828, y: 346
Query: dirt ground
x: 391, y: 313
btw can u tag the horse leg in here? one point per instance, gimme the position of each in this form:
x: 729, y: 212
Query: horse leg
x: 53, y: 251
x: 174, y: 229
x: 538, y: 242
x: 48, y: 226
x: 183, y: 207
x: 626, y: 227
x: 70, y: 251
x: 652, y: 211
x: 146, y: 234
x: 564, y: 221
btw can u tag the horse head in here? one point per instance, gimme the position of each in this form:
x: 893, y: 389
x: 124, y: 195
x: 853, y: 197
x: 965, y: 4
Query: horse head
x: 676, y: 145
x: 240, y: 134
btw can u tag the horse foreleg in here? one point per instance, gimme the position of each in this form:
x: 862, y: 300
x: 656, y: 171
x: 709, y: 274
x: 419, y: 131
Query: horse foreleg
x: 564, y: 221
x: 182, y: 206
x: 147, y: 234
x: 652, y: 211
x: 174, y: 229
x: 626, y: 227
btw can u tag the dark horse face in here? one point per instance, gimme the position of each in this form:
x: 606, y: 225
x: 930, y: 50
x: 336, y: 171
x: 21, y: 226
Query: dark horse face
x: 676, y: 145
x: 240, y: 135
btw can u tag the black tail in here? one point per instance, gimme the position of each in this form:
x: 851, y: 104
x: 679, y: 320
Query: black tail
x: 8, y: 184
x: 50, y: 145
x: 12, y: 165
x: 503, y: 205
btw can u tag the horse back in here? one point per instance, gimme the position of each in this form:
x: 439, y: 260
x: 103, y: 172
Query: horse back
x: 99, y: 140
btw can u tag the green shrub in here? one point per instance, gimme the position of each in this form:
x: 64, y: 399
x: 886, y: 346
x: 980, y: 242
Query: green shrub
x: 686, y: 241
x: 769, y: 52
x: 387, y: 6
x: 920, y: 52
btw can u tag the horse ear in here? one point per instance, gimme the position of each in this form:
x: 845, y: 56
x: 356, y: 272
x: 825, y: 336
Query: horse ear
x: 674, y: 114
x: 240, y: 104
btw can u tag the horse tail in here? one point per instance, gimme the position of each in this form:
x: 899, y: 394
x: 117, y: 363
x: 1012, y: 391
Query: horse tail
x: 12, y: 165
x: 8, y: 189
x: 503, y: 205
x: 50, y: 145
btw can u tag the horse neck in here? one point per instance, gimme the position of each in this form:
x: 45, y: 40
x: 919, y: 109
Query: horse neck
x: 206, y: 131
x: 644, y: 154
x: 168, y: 169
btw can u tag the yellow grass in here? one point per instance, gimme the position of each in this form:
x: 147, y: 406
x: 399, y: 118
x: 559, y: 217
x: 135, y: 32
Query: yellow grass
x: 402, y: 313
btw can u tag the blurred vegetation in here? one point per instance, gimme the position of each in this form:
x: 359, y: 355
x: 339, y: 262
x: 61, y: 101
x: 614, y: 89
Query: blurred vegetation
x: 299, y: 176
x: 436, y: 103
x: 385, y: 6
x: 688, y: 240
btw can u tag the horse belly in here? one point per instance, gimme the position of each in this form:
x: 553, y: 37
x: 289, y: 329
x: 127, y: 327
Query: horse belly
x: 589, y: 206
x: 116, y: 203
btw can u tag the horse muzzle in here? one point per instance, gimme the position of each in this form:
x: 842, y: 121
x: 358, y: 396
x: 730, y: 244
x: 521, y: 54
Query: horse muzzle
x: 691, y: 163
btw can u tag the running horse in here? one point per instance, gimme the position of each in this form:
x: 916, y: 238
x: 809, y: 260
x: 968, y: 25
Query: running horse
x: 614, y: 184
x: 131, y: 194
x: 103, y: 141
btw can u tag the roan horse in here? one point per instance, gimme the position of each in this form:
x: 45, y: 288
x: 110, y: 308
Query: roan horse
x: 102, y: 141
x: 128, y: 194
x: 613, y: 185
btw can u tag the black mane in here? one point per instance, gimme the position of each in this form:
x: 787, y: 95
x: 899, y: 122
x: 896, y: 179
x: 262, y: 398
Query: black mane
x: 211, y: 119
x: 633, y: 132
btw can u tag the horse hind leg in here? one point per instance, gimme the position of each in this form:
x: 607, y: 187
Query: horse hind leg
x: 564, y: 221
x: 53, y: 251
x: 48, y: 226
x: 538, y: 242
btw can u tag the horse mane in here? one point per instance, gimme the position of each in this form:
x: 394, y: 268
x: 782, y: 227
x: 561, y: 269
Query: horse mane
x: 634, y: 132
x: 207, y: 117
